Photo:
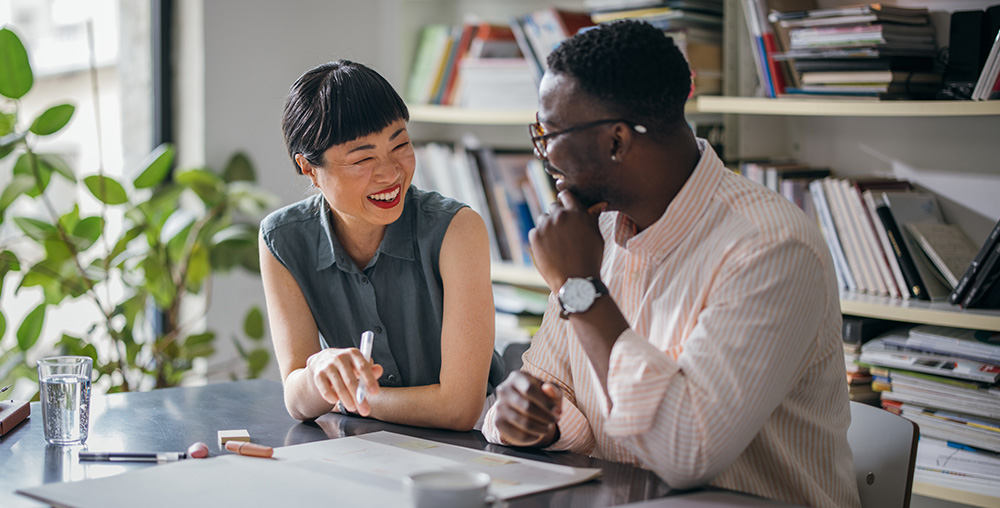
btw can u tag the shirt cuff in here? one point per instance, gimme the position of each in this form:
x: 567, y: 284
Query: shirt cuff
x: 574, y: 431
x: 638, y: 375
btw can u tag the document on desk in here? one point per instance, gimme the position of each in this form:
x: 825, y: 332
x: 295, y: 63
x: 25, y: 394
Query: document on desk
x: 354, y: 471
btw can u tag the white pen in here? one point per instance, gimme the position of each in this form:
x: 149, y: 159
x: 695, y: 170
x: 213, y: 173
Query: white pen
x: 366, y: 350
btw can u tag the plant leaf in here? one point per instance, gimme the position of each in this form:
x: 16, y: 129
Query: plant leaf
x: 52, y: 120
x: 257, y: 361
x: 15, y: 71
x: 55, y: 163
x: 88, y: 229
x: 198, y: 268
x: 253, y: 324
x: 3, y: 324
x: 239, y: 168
x: 17, y: 186
x: 8, y: 263
x: 111, y: 192
x: 8, y: 142
x: 207, y: 185
x: 7, y: 121
x: 31, y: 328
x: 23, y: 168
x: 36, y: 229
x: 157, y: 168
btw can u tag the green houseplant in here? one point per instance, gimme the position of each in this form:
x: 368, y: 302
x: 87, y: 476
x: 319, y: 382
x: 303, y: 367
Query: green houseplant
x: 154, y: 245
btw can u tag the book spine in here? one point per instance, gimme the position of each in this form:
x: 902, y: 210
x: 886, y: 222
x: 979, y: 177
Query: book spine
x: 984, y: 280
x: 906, y: 265
x: 844, y: 275
x: 970, y: 273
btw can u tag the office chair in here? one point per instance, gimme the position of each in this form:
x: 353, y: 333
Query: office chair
x: 885, y: 450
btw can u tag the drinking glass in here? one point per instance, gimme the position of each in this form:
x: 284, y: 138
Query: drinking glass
x: 64, y: 383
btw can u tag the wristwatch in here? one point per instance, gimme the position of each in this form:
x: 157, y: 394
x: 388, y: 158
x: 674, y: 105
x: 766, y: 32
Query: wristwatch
x: 577, y: 295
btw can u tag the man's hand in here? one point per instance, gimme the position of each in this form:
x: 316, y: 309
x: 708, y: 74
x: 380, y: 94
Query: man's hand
x: 336, y: 373
x: 527, y: 410
x: 567, y: 241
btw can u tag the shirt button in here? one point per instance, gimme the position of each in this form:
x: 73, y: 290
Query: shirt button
x: 392, y: 378
x: 364, y: 280
x: 378, y: 329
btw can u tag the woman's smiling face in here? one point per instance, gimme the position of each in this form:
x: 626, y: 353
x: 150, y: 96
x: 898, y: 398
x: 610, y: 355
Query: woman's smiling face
x: 366, y: 179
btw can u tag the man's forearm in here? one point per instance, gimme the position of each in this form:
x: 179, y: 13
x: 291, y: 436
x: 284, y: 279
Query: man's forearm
x: 598, y: 329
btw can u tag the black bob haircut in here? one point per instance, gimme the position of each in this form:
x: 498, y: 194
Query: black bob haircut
x: 630, y: 66
x: 335, y: 103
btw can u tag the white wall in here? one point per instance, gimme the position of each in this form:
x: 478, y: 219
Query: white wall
x: 236, y: 61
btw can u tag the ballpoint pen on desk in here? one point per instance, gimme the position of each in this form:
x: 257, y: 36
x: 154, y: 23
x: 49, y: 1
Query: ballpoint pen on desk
x: 366, y: 350
x: 196, y: 451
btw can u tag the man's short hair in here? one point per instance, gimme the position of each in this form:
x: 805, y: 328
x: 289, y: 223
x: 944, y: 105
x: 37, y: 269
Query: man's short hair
x: 632, y: 67
x: 335, y: 103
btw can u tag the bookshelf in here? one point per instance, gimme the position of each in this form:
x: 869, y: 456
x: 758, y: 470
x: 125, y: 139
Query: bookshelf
x: 817, y: 107
x: 451, y: 115
x: 859, y: 136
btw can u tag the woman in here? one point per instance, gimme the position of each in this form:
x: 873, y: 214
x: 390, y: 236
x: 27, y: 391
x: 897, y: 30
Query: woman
x: 369, y: 252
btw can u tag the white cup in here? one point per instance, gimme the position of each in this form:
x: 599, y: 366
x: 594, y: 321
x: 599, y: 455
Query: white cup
x: 447, y: 488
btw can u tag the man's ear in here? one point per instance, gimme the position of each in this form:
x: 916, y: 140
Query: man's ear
x: 621, y: 141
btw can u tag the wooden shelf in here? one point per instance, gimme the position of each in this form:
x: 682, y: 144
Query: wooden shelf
x: 453, y: 115
x: 829, y: 107
x: 954, y: 495
x: 517, y: 275
x: 912, y: 311
x: 427, y: 113
x: 918, y: 311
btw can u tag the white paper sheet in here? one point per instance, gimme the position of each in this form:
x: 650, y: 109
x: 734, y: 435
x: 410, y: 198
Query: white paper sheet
x: 364, y: 470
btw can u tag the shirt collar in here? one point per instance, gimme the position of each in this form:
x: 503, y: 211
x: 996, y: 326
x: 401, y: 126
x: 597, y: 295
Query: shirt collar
x: 397, y: 242
x: 681, y: 214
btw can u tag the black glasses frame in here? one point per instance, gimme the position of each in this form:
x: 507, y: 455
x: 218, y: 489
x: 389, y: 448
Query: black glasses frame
x: 540, y: 138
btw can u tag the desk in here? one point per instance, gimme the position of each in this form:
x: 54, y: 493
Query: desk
x: 173, y: 418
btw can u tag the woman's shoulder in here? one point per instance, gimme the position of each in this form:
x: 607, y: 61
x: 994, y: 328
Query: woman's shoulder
x: 432, y: 203
x: 302, y: 212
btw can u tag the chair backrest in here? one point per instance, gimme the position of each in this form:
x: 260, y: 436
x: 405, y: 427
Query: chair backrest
x: 885, y: 450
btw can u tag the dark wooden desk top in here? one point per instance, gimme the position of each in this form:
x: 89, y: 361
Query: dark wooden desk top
x: 171, y: 419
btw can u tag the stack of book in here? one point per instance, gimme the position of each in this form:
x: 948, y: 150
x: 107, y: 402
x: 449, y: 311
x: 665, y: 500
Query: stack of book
x: 538, y: 33
x: 870, y: 51
x: 857, y: 331
x: 507, y: 189
x: 695, y: 27
x: 944, y: 380
x: 473, y: 65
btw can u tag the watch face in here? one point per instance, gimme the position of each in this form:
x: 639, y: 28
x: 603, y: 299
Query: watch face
x: 577, y: 295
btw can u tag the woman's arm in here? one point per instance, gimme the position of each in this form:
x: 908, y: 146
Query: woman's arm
x: 312, y: 378
x: 467, y: 333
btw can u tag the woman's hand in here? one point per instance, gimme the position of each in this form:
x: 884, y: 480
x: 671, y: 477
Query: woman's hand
x: 336, y: 373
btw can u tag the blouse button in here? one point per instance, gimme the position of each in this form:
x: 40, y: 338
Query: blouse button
x: 392, y: 378
x: 378, y: 329
x: 364, y: 280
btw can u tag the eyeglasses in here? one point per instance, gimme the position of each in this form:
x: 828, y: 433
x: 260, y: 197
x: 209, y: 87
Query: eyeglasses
x: 540, y: 138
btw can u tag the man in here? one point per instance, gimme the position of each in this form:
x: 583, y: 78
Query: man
x: 702, y: 330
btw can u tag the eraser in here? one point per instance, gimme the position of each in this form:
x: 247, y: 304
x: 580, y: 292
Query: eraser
x: 233, y: 435
x: 12, y: 413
